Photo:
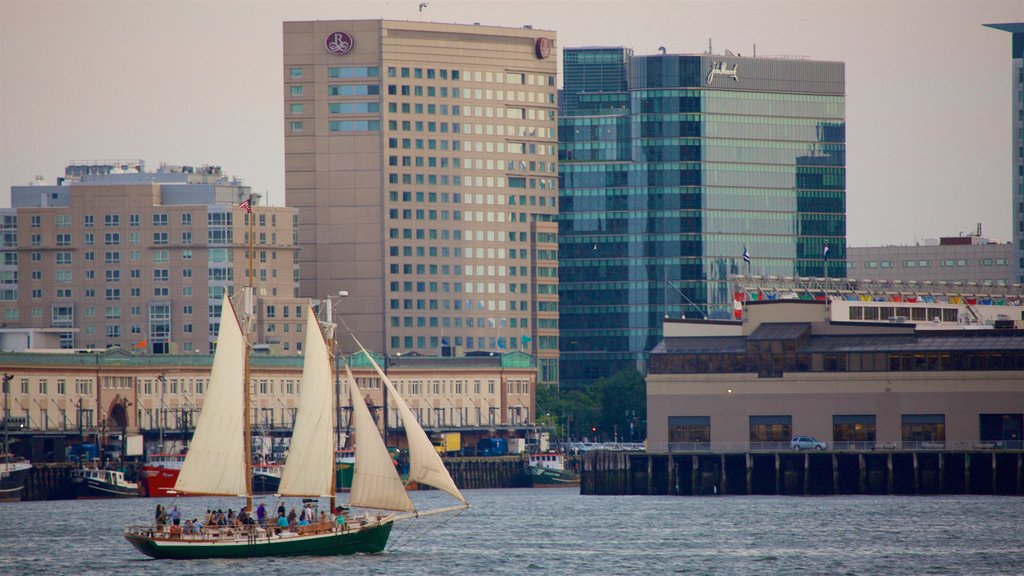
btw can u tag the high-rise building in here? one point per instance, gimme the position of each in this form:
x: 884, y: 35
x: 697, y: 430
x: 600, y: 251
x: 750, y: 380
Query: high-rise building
x: 678, y: 170
x: 1017, y: 139
x: 114, y: 255
x: 421, y: 158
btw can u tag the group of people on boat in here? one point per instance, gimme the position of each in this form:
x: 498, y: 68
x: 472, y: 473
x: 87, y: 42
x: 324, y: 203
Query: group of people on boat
x: 216, y: 520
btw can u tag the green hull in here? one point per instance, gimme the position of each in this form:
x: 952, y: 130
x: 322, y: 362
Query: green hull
x: 343, y: 476
x: 542, y: 476
x: 366, y: 541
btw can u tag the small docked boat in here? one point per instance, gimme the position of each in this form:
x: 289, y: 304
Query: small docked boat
x: 158, y: 475
x: 13, y: 475
x: 100, y: 483
x: 218, y: 463
x: 266, y: 478
x: 548, y: 469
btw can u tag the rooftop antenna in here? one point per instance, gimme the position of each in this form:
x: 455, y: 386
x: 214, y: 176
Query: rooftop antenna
x: 662, y: 48
x: 755, y: 50
x: 709, y: 47
x: 422, y: 6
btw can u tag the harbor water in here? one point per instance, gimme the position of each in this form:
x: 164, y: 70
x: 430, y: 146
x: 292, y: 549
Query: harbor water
x: 557, y: 531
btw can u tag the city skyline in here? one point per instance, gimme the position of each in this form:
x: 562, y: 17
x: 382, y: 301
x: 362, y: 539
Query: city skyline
x: 930, y: 90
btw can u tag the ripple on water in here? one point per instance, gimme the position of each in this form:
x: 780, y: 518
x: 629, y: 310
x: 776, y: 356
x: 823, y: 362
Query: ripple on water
x: 511, y: 532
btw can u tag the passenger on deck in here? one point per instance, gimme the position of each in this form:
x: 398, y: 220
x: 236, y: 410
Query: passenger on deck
x: 282, y: 523
x: 293, y: 519
x: 261, y: 515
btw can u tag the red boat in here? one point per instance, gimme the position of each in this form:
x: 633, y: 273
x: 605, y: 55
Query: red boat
x: 159, y: 474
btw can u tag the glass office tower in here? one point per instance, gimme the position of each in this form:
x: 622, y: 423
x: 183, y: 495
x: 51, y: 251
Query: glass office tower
x: 668, y: 177
x: 1017, y: 138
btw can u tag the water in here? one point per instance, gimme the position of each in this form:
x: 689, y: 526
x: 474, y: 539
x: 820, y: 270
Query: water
x: 557, y: 531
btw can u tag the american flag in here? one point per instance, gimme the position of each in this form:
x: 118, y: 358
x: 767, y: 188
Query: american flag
x: 246, y: 205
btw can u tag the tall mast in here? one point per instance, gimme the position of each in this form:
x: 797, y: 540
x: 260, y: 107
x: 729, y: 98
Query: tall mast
x: 329, y: 326
x: 250, y: 294
x: 246, y: 431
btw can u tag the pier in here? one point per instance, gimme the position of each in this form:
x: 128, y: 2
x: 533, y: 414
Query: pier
x: 803, y: 473
x: 52, y: 481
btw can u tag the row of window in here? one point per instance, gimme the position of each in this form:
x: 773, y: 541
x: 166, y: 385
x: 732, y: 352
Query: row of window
x: 945, y: 263
x: 775, y: 365
x: 420, y: 179
x: 160, y: 219
x: 845, y: 428
x: 851, y: 428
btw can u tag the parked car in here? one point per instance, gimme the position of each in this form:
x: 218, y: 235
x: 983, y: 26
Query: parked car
x: 806, y: 443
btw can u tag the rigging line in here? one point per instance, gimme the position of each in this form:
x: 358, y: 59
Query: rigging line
x: 397, y: 543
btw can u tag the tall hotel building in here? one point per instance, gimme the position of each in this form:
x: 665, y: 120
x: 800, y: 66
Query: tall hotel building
x: 672, y: 169
x: 422, y: 160
x: 1017, y: 139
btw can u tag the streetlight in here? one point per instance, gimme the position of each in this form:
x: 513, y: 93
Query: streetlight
x: 328, y: 327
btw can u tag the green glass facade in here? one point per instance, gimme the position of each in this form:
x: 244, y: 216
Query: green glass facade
x: 1016, y: 29
x: 713, y: 154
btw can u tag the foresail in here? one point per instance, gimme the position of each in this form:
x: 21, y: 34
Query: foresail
x: 375, y: 481
x: 310, y: 465
x: 215, y: 463
x: 425, y: 465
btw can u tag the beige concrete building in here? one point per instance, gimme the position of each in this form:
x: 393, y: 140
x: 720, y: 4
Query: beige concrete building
x: 114, y: 255
x: 422, y: 160
x: 962, y: 259
x: 800, y: 367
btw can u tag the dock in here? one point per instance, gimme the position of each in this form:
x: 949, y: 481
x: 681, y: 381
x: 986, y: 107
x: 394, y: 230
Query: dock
x: 925, y: 472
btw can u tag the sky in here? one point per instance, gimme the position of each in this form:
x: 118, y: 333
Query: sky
x: 200, y: 82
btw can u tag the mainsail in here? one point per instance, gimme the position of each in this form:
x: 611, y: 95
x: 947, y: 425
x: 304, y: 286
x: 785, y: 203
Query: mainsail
x: 215, y: 463
x: 375, y: 481
x: 425, y: 465
x: 309, y: 469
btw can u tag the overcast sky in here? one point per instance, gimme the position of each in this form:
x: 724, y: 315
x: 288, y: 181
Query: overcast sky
x: 190, y: 82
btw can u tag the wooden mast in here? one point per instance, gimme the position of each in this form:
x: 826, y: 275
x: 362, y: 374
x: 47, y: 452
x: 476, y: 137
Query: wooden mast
x: 246, y: 430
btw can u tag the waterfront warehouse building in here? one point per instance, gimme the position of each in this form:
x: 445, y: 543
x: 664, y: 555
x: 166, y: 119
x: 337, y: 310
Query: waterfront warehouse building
x: 678, y: 170
x: 101, y: 394
x: 863, y: 367
x: 422, y: 160
x: 1016, y: 29
x: 115, y: 255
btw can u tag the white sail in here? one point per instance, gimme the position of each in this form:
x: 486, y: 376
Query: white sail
x: 309, y: 469
x: 215, y: 463
x: 425, y: 465
x: 375, y: 481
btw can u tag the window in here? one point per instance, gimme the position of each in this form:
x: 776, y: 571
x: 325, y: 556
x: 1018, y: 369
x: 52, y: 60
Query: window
x: 771, y: 428
x: 853, y: 428
x: 689, y: 429
x: 924, y: 428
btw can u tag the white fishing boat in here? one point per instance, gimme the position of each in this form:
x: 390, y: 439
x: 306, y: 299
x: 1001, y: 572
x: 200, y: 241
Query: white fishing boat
x: 219, y: 464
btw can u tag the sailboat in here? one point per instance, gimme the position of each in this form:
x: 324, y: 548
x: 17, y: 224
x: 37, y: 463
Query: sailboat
x: 219, y: 464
